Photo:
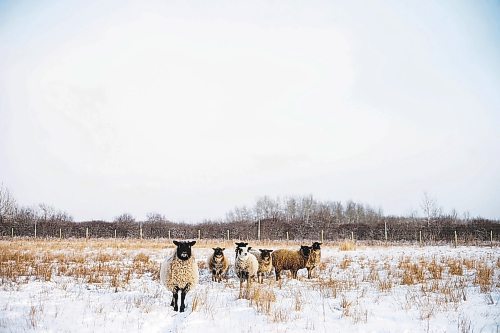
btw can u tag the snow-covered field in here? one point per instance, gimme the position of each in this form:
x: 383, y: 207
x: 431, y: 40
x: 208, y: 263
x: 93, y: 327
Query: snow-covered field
x: 112, y: 286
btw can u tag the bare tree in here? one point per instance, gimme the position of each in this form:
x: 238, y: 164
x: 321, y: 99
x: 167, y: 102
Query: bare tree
x: 8, y: 204
x: 155, y: 217
x: 430, y: 208
x: 47, y: 212
x: 124, y: 218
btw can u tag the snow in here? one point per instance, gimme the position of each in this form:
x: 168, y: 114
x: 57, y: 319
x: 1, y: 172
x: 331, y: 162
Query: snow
x: 345, y: 295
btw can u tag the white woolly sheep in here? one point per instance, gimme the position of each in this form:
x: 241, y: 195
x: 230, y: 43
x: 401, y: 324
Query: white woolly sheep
x: 290, y: 260
x: 265, y: 263
x: 246, y: 266
x: 218, y: 264
x: 314, y: 258
x: 179, y: 272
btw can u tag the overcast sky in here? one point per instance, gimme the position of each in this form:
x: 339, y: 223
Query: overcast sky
x: 189, y: 108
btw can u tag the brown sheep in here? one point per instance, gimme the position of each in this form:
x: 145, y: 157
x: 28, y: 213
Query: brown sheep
x: 290, y: 260
x: 218, y: 264
x: 265, y: 263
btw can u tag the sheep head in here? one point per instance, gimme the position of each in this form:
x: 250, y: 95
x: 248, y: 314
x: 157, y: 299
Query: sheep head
x: 184, y: 249
x: 305, y: 250
x: 265, y: 254
x: 242, y: 252
x: 218, y: 252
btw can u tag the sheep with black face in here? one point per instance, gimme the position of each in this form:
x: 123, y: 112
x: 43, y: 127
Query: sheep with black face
x: 218, y: 264
x: 246, y: 266
x: 284, y: 259
x: 179, y: 272
x: 314, y: 258
x: 265, y: 263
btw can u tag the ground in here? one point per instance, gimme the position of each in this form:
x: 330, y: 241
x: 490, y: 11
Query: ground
x: 112, y: 286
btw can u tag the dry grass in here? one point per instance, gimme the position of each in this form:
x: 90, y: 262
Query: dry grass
x: 101, y: 263
x: 262, y: 298
x: 455, y: 267
x: 484, y: 278
x: 346, y: 262
x: 347, y: 246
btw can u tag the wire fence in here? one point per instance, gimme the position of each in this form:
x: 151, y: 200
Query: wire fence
x: 473, y: 233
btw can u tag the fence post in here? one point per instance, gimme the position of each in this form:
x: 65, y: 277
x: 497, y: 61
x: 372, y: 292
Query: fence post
x: 322, y: 236
x: 60, y: 233
x: 140, y: 231
x: 87, y: 233
x: 199, y: 234
x: 491, y: 238
x: 456, y: 239
x: 420, y: 237
x: 352, y: 236
x: 35, y: 230
x: 258, y: 231
x: 385, y: 230
x: 287, y: 236
x: 168, y: 234
x: 12, y: 232
x: 115, y: 233
x: 227, y: 234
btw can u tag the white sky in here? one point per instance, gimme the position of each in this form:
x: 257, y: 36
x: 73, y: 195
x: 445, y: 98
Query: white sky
x: 189, y: 108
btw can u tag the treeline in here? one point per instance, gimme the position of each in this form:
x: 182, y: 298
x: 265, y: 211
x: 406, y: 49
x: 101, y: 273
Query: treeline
x: 293, y: 218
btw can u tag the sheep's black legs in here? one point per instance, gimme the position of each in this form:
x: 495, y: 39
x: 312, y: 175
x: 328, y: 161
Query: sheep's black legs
x: 175, y: 298
x: 183, y: 296
x: 277, y: 274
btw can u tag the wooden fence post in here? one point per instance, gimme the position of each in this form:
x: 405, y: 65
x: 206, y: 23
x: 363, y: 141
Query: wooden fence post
x: 420, y: 237
x: 456, y: 239
x: 115, y: 233
x: 322, y: 234
x: 385, y: 230
x: 258, y: 231
x: 87, y: 233
x: 227, y: 234
x: 352, y: 236
x: 287, y: 236
x: 140, y: 231
x: 491, y: 238
x: 60, y: 233
x: 199, y: 234
x: 35, y: 230
x: 169, y: 234
x: 12, y: 232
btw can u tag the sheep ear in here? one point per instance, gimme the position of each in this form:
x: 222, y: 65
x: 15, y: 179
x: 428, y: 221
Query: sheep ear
x: 223, y: 248
x: 214, y: 248
x: 261, y: 250
x: 192, y: 243
x: 270, y: 251
x: 176, y: 243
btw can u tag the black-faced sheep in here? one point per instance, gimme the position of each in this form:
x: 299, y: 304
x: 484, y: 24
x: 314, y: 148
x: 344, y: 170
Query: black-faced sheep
x: 218, y: 264
x: 179, y: 272
x: 290, y: 260
x: 314, y: 258
x: 245, y: 266
x: 238, y: 245
x: 265, y: 263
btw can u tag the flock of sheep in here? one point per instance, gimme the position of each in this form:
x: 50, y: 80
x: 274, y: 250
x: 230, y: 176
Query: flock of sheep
x: 179, y: 272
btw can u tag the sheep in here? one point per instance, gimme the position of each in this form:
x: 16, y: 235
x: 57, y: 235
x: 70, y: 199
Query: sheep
x: 246, y: 266
x: 179, y: 272
x: 218, y: 264
x: 290, y: 260
x: 265, y: 263
x: 314, y: 258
